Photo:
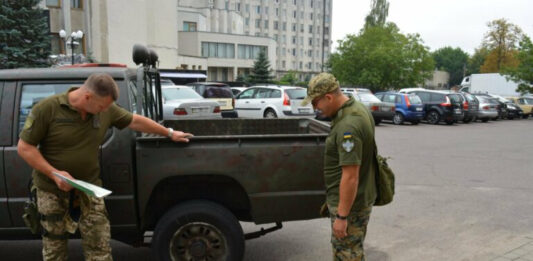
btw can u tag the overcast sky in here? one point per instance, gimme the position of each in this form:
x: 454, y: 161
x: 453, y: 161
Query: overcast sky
x: 440, y: 23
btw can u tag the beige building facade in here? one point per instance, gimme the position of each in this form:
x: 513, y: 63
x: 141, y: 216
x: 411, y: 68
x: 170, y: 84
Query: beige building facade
x: 111, y: 28
x: 438, y: 81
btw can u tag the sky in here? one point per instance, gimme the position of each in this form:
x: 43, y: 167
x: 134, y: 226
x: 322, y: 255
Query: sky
x: 440, y: 23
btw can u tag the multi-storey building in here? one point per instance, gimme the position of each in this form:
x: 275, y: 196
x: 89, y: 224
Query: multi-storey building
x: 226, y: 35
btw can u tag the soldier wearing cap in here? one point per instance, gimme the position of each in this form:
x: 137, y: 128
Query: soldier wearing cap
x: 349, y: 169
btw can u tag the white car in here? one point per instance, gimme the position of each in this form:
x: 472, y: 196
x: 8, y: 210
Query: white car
x: 182, y: 102
x: 237, y: 90
x: 273, y: 102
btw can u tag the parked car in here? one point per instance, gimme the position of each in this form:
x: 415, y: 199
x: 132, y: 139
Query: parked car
x: 380, y: 110
x: 182, y: 102
x: 488, y: 108
x: 513, y: 110
x: 237, y: 90
x: 273, y: 102
x: 218, y: 92
x: 409, y: 107
x: 501, y: 108
x: 525, y: 103
x: 468, y: 112
x: 355, y: 90
x: 439, y: 106
x: 473, y: 107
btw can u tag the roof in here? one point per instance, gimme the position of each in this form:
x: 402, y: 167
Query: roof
x: 62, y: 73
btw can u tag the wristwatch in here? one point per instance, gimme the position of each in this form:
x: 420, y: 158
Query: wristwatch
x: 337, y: 216
x: 170, y: 131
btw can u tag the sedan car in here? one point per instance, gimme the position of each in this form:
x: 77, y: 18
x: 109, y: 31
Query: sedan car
x: 380, y: 110
x: 182, y: 102
x: 218, y: 92
x: 273, y: 102
x: 488, y: 108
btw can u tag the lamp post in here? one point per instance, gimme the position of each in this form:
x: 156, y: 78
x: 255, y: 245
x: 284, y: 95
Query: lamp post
x: 73, y: 36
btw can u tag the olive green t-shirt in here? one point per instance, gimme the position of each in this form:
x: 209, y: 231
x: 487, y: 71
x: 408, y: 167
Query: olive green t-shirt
x: 66, y: 141
x: 351, y: 142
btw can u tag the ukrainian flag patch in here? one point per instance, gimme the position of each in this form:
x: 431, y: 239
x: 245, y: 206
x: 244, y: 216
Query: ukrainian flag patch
x: 347, y: 135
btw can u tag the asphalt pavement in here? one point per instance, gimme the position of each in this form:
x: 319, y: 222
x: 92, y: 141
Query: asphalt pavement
x: 463, y: 192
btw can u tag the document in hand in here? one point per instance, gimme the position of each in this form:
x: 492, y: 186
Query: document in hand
x: 88, y: 188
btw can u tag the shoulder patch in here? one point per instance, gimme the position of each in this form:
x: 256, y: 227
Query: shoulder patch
x: 347, y: 145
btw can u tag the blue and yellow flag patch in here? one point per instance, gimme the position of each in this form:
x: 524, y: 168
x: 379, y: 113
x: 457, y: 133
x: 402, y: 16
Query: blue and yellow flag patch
x: 347, y: 135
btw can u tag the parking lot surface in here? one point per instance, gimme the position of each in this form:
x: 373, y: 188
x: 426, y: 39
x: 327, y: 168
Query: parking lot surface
x: 463, y: 192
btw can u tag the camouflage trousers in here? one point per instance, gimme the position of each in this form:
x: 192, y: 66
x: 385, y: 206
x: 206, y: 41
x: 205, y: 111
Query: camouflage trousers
x: 351, y: 246
x: 93, y: 225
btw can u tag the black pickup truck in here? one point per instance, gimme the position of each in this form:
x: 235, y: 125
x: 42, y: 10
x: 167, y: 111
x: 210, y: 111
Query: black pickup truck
x: 190, y: 195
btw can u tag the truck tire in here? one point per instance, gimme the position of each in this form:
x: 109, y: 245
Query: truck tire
x: 198, y: 230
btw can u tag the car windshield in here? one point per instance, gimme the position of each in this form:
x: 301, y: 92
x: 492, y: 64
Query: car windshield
x: 528, y: 101
x: 296, y: 94
x: 180, y: 94
x: 414, y: 99
x: 368, y: 97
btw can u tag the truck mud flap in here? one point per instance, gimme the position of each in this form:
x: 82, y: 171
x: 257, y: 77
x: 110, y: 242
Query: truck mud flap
x: 263, y: 231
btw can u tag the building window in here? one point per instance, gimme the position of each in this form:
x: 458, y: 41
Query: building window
x: 276, y: 25
x: 266, y: 10
x: 302, y: 15
x: 301, y: 52
x: 294, y: 14
x: 318, y: 29
x: 301, y: 40
x: 283, y: 64
x: 227, y: 5
x: 266, y: 24
x: 294, y: 40
x: 293, y: 51
x: 189, y: 26
x: 277, y: 12
x: 57, y: 44
x: 247, y: 8
x: 310, y: 53
x: 76, y: 4
x: 311, y: 5
x: 310, y: 41
x: 283, y: 39
x: 294, y: 2
x: 250, y: 52
x: 258, y: 9
x: 257, y: 23
x: 247, y: 21
x: 283, y: 52
x: 301, y: 65
x: 310, y: 65
x: 276, y: 37
x: 302, y: 28
x: 284, y: 26
x: 218, y: 50
x: 52, y: 3
x: 239, y: 7
x: 311, y: 16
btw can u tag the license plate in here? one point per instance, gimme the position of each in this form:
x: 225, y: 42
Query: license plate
x: 418, y: 109
x: 304, y: 110
x: 457, y: 111
x: 385, y: 109
x: 222, y: 103
x: 198, y: 110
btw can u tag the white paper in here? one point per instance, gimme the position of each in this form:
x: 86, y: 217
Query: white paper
x: 88, y: 188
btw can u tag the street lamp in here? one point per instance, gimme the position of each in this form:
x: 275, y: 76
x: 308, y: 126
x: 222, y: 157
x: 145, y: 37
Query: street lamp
x: 73, y: 36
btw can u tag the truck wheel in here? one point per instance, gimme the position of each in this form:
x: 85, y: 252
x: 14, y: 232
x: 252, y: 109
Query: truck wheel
x: 398, y: 118
x: 433, y: 117
x: 198, y: 230
x: 271, y: 114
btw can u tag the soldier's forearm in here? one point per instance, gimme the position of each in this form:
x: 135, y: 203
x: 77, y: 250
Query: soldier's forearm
x: 348, y: 189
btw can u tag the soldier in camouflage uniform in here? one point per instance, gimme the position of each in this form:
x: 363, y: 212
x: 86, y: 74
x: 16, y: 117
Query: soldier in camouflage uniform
x: 349, y: 170
x: 68, y: 129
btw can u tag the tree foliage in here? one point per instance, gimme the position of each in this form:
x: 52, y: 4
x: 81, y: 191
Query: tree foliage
x: 523, y: 73
x: 501, y: 40
x: 452, y: 60
x: 477, y: 60
x: 261, y: 71
x: 24, y: 38
x: 288, y: 79
x: 379, y: 10
x: 382, y: 58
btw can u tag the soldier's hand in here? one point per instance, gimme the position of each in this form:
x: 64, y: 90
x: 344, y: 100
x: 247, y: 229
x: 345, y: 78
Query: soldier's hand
x: 339, y: 228
x: 180, y: 136
x: 61, y: 184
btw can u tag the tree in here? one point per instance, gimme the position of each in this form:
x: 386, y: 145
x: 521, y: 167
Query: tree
x: 261, y: 71
x: 24, y: 39
x: 494, y: 63
x: 382, y: 58
x: 453, y: 61
x: 288, y: 79
x: 477, y: 60
x: 379, y: 10
x: 501, y: 39
x: 523, y: 73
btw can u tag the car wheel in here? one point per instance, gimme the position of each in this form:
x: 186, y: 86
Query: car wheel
x: 398, y: 118
x: 416, y: 122
x: 198, y: 230
x: 525, y: 116
x: 467, y: 120
x: 377, y: 121
x: 495, y: 119
x: 433, y: 117
x: 270, y: 114
x: 450, y: 122
x: 485, y: 119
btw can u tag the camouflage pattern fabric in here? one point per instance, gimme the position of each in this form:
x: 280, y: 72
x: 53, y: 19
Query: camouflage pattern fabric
x: 93, y: 224
x: 351, y: 247
x: 320, y: 85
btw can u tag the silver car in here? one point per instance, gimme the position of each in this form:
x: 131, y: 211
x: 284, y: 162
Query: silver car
x: 380, y: 110
x: 182, y: 102
x: 488, y: 109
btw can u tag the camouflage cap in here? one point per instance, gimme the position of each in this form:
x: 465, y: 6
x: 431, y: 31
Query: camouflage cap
x: 320, y: 85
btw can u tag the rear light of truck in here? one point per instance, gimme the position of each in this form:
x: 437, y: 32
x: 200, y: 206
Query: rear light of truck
x: 407, y: 101
x: 374, y: 108
x: 217, y: 109
x: 447, y: 103
x: 180, y: 111
x: 286, y: 101
x: 465, y: 105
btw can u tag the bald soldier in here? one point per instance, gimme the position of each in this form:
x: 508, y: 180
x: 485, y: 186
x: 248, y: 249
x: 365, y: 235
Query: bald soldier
x: 62, y: 134
x: 349, y: 170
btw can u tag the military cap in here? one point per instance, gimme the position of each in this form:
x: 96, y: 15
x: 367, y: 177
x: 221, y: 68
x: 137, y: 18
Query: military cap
x: 320, y: 85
